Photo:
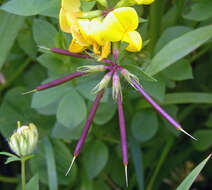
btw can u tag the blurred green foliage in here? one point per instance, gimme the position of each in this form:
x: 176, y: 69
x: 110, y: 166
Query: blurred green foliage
x: 178, y: 56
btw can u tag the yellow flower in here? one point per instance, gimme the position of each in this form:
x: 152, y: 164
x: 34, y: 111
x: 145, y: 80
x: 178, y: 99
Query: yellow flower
x: 144, y: 2
x: 120, y: 25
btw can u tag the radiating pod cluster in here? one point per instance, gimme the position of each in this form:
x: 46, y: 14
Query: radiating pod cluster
x: 101, y: 32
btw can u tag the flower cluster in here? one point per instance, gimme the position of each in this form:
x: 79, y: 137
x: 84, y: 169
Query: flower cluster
x: 100, y: 29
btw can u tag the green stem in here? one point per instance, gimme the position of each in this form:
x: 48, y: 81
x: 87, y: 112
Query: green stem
x: 23, y: 175
x: 201, y: 52
x: 156, y: 12
x: 161, y: 161
x: 16, y: 74
x: 8, y: 179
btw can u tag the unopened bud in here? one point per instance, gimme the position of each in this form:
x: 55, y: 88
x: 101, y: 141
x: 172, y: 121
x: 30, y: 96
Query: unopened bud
x: 24, y: 140
x: 129, y: 76
x: 116, y: 86
x: 92, y: 68
x: 103, y: 83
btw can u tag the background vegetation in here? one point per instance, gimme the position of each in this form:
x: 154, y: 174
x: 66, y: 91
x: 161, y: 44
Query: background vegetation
x: 177, y: 52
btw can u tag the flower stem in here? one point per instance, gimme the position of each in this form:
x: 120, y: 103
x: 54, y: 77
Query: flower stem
x: 163, y: 157
x: 23, y: 175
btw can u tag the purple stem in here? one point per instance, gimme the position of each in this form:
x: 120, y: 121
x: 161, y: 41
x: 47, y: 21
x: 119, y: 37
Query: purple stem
x: 88, y: 123
x: 79, y: 55
x: 68, y: 53
x: 156, y: 106
x: 59, y: 81
x: 122, y: 130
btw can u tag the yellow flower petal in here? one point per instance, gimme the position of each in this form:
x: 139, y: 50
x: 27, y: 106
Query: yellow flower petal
x: 105, y: 50
x: 71, y: 5
x: 64, y: 24
x: 145, y: 2
x: 78, y: 36
x: 128, y: 18
x: 118, y: 22
x: 134, y: 40
x: 113, y: 28
x: 75, y: 47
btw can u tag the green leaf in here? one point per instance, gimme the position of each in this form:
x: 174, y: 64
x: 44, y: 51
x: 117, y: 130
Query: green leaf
x: 170, y: 34
x: 72, y: 109
x: 144, y: 125
x: 142, y: 75
x: 11, y: 157
x: 26, y: 42
x: 155, y: 89
x: 95, y: 157
x: 61, y: 132
x: 53, y: 9
x: 204, y: 139
x: 44, y: 33
x: 188, y: 97
x: 87, y: 6
x: 85, y: 89
x: 187, y: 182
x: 16, y: 107
x: 9, y: 28
x: 200, y: 10
x: 105, y: 113
x: 137, y: 161
x: 51, y: 165
x: 41, y: 99
x: 62, y: 158
x: 209, y: 121
x: 181, y: 98
x: 26, y: 7
x: 53, y: 64
x: 181, y: 70
x: 178, y: 48
x: 33, y: 183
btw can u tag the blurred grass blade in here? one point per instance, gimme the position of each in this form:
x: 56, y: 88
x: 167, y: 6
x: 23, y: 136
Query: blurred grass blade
x: 181, y: 98
x: 9, y: 27
x: 33, y: 183
x: 137, y: 161
x: 187, y: 182
x: 51, y: 167
x: 178, y: 48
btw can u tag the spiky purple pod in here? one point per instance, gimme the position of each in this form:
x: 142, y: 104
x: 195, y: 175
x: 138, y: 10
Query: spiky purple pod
x: 159, y: 109
x: 123, y: 134
x: 79, y: 55
x: 86, y: 127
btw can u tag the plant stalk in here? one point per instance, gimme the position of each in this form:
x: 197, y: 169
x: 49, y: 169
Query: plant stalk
x: 23, y: 175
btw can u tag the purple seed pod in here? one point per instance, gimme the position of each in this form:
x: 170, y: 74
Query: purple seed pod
x: 123, y: 134
x: 86, y: 127
x: 57, y: 82
x: 79, y: 55
x: 159, y: 109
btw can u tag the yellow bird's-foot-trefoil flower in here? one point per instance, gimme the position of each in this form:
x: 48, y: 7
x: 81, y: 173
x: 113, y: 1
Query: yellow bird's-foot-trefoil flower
x: 118, y: 25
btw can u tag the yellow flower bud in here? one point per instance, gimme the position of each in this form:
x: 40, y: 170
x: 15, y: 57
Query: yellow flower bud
x: 24, y: 140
